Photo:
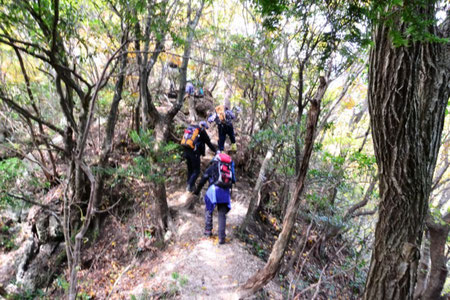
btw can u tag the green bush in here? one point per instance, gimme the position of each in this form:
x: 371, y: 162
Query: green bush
x: 10, y: 170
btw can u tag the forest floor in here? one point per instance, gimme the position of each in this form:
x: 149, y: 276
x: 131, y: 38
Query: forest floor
x: 194, y: 266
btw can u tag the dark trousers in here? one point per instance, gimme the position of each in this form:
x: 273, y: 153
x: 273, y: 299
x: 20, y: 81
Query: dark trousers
x: 222, y: 209
x: 193, y: 166
x: 224, y: 130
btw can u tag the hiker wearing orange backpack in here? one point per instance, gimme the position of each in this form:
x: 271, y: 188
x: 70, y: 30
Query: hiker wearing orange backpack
x: 194, y: 140
x: 224, y: 120
x: 221, y: 177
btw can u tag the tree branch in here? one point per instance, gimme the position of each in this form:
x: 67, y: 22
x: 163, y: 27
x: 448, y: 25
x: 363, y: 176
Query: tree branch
x: 351, y: 212
x: 27, y: 114
x: 31, y: 202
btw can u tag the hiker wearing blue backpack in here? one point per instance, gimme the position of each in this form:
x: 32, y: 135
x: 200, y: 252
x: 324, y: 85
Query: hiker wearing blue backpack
x: 194, y: 140
x: 221, y: 177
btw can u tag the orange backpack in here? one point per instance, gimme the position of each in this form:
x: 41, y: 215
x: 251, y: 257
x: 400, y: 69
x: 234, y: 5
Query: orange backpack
x: 190, y: 137
x: 220, y: 111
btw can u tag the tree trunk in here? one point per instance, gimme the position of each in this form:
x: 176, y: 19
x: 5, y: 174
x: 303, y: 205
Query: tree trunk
x: 438, y: 268
x: 192, y: 24
x: 408, y: 93
x: 110, y: 127
x: 255, y: 197
x: 262, y: 277
x: 423, y: 268
x: 142, y: 59
x: 192, y: 113
x: 162, y: 209
x: 300, y: 107
x: 162, y: 131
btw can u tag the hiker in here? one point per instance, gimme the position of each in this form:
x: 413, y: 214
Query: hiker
x: 220, y: 175
x: 190, y: 88
x: 194, y: 140
x: 223, y: 118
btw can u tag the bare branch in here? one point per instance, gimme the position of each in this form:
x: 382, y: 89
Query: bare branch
x: 27, y: 114
x: 94, y: 97
x: 364, y: 213
x: 368, y: 194
x: 24, y: 199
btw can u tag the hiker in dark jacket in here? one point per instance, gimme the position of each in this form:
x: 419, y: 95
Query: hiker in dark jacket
x: 225, y: 128
x: 216, y: 195
x: 193, y: 155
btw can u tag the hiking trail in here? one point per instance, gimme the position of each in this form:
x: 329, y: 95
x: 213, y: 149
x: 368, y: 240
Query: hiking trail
x: 195, y: 266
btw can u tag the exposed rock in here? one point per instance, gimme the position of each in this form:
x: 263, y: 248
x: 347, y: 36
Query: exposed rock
x: 30, y: 250
x: 38, y: 265
x: 41, y: 252
x: 54, y: 228
x: 204, y: 106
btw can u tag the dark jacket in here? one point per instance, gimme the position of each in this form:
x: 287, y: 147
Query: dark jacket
x: 229, y: 117
x: 202, y: 140
x: 211, y: 175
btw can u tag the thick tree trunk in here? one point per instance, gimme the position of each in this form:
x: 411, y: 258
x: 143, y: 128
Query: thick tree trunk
x: 408, y: 93
x: 262, y: 277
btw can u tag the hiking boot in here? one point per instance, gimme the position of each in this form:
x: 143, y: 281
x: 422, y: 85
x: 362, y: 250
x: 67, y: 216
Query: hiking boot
x: 221, y: 241
x: 233, y: 147
x: 208, y: 233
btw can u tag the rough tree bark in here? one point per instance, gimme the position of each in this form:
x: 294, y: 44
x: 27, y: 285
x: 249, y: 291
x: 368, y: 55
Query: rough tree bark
x: 423, y: 269
x: 408, y: 92
x: 438, y: 268
x: 262, y: 277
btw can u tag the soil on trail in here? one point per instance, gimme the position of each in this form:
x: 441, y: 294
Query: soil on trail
x: 195, y: 266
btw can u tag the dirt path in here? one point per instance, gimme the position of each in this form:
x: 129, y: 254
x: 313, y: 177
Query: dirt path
x: 194, y: 266
x: 197, y: 267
